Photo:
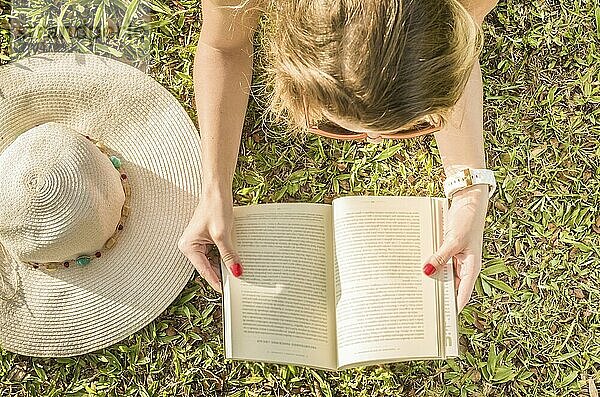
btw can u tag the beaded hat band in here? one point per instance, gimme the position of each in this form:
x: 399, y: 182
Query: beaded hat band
x: 100, y: 175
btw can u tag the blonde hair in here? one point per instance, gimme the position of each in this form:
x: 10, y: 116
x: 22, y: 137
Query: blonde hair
x: 382, y: 64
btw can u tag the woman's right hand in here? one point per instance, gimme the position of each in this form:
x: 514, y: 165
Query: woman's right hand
x: 211, y: 223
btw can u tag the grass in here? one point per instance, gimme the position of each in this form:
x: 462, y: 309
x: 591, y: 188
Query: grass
x: 532, y: 327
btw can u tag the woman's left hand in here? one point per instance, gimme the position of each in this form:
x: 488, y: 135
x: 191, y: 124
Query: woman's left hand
x: 463, y: 240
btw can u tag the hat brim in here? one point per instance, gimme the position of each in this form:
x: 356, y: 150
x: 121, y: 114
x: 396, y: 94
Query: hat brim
x: 77, y: 310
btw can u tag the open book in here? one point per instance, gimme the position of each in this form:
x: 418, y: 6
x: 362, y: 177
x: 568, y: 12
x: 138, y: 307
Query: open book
x: 341, y: 285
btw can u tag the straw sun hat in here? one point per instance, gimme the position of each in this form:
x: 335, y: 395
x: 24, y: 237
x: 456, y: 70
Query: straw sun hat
x: 99, y: 176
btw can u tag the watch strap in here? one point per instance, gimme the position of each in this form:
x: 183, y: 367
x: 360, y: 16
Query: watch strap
x: 468, y: 177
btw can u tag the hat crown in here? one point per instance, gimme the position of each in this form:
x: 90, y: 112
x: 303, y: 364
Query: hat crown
x: 61, y: 197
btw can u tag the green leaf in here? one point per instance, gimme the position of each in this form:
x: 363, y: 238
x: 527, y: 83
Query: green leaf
x: 186, y: 311
x: 495, y: 269
x: 577, y: 244
x: 280, y: 193
x: 503, y: 374
x: 131, y: 9
x: 99, y: 13
x: 168, y: 339
x: 63, y: 31
x: 501, y: 285
x: 40, y: 372
x: 485, y: 286
x: 387, y: 153
x: 525, y: 374
x: 158, y: 6
x: 297, y: 176
x: 566, y: 380
x: 252, y: 380
x: 452, y: 364
x: 567, y: 356
x: 108, y: 49
x: 207, y: 311
x: 597, y: 12
x: 82, y: 48
x: 253, y: 179
x: 492, y: 360
x: 186, y: 298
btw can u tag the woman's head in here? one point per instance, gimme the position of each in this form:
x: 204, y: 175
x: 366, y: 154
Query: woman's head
x: 379, y: 64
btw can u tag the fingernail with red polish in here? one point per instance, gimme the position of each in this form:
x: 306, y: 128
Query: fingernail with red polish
x: 429, y: 269
x: 236, y: 269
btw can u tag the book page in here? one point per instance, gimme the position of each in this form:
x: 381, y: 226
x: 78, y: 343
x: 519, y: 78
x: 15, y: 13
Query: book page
x: 386, y: 308
x: 281, y: 309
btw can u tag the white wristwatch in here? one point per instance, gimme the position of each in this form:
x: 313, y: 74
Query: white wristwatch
x: 468, y: 177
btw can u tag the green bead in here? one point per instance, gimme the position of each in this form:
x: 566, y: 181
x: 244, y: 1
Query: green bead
x: 116, y: 161
x: 83, y: 260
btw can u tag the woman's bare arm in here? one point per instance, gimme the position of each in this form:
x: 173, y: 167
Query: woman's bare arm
x: 222, y: 74
x: 461, y: 142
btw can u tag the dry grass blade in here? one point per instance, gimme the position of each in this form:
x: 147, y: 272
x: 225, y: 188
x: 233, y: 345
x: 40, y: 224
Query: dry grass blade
x: 592, y: 388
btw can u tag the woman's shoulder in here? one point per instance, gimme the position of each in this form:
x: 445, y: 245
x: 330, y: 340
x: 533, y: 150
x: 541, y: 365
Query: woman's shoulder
x: 235, y: 8
x: 479, y: 8
x: 229, y: 24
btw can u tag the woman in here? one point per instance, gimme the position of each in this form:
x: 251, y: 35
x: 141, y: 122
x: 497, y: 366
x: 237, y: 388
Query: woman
x: 374, y: 66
